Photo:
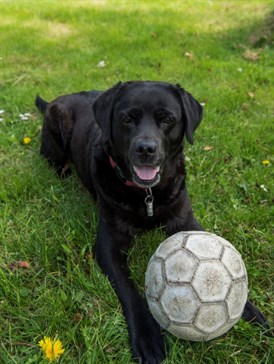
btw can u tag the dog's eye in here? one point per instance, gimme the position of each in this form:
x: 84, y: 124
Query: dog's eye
x: 168, y: 120
x: 126, y: 119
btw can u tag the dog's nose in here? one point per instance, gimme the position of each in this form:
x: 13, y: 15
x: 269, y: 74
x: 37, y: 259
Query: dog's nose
x: 146, y: 148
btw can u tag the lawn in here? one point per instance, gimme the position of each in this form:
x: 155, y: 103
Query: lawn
x: 50, y: 285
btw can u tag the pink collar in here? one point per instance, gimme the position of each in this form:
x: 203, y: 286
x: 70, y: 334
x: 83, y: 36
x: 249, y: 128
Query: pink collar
x: 120, y: 174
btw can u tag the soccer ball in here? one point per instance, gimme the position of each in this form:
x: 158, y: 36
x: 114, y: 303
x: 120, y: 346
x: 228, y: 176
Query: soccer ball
x: 196, y: 285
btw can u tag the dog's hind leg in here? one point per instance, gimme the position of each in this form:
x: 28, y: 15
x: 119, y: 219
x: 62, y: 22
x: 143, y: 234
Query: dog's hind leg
x: 56, y: 135
x: 253, y: 315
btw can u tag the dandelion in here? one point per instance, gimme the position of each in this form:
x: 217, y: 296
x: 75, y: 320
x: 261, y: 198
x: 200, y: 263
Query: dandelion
x: 26, y: 140
x: 51, y: 348
x: 265, y: 162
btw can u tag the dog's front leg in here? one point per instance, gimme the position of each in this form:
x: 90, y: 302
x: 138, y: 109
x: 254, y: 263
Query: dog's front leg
x: 145, y: 336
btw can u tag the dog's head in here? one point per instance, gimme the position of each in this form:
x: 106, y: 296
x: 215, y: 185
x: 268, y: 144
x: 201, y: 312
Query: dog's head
x: 143, y: 125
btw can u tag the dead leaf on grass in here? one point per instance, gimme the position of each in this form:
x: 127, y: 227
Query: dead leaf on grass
x: 208, y: 148
x: 23, y: 264
x: 251, y: 55
x: 251, y: 94
x: 245, y: 106
x: 77, y: 317
x: 19, y: 264
x: 189, y: 55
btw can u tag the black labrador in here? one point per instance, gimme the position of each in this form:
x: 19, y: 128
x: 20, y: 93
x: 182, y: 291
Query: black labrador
x: 127, y: 146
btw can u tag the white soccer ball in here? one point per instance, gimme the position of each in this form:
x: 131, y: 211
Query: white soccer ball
x: 196, y: 285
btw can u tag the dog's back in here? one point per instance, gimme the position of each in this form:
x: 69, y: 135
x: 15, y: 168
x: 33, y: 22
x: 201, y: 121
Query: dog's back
x: 59, y: 144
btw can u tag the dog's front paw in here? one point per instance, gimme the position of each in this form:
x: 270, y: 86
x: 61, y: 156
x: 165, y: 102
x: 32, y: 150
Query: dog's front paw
x: 147, y: 342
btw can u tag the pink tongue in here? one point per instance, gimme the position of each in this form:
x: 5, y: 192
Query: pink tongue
x: 146, y: 173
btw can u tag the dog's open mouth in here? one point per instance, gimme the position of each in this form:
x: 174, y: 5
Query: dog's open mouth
x: 146, y: 176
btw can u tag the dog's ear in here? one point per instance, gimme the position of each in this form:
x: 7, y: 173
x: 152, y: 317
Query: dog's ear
x: 103, y: 108
x: 192, y: 112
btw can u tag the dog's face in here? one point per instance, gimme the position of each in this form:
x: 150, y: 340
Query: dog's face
x: 143, y: 125
x: 147, y: 125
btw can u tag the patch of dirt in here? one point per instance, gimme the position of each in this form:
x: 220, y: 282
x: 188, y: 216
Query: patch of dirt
x: 57, y: 30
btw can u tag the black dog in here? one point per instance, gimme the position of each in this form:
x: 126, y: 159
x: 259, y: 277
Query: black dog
x: 126, y: 145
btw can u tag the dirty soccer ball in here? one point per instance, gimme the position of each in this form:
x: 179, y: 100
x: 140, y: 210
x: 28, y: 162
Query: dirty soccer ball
x: 196, y: 285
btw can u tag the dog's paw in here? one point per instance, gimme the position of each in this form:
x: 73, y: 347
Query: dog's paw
x: 147, y: 342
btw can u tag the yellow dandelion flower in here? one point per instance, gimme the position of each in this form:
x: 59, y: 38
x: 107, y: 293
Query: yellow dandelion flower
x: 265, y: 162
x: 26, y: 140
x: 51, y: 348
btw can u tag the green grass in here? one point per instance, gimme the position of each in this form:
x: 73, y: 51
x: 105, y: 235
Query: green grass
x: 53, y: 48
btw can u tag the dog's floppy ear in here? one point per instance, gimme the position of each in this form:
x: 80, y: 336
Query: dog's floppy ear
x: 103, y: 108
x: 192, y: 111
